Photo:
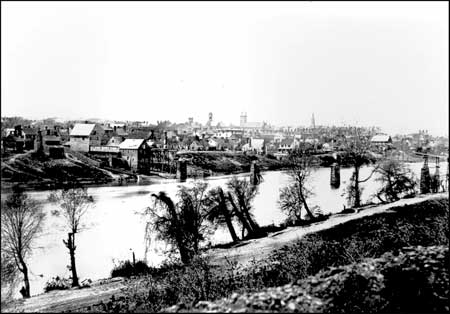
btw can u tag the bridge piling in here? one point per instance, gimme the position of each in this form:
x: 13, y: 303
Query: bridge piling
x: 335, y: 176
x: 425, y: 178
x: 254, y: 173
x: 181, y: 170
x: 335, y: 173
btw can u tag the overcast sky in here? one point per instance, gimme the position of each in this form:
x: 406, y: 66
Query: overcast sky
x: 383, y: 64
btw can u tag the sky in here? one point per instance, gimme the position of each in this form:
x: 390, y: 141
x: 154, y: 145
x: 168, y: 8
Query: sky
x: 370, y: 63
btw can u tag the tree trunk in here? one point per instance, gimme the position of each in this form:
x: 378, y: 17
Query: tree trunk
x: 306, y: 205
x: 357, y: 191
x: 253, y: 224
x: 71, y: 247
x: 241, y: 217
x: 184, y: 254
x: 26, y: 281
x: 226, y: 214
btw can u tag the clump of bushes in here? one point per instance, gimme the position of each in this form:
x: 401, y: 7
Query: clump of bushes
x: 128, y: 269
x: 414, y: 281
x: 57, y: 283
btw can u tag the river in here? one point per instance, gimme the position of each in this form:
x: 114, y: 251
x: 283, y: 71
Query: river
x: 115, y: 228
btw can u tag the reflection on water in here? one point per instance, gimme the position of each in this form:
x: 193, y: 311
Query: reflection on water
x: 114, y: 227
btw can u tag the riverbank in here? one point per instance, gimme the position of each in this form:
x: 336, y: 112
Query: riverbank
x: 35, y: 172
x: 39, y: 173
x: 247, y: 255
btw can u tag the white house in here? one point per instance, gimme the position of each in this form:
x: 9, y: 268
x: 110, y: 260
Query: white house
x: 257, y: 144
x: 84, y: 135
x: 288, y: 145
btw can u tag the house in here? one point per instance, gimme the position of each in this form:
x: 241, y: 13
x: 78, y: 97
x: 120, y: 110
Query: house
x: 257, y: 145
x: 30, y: 134
x: 115, y: 141
x: 64, y: 133
x: 15, y: 139
x: 136, y: 153
x: 215, y: 144
x: 49, y: 142
x: 287, y: 145
x: 84, y: 135
x: 196, y: 145
x: 381, y: 141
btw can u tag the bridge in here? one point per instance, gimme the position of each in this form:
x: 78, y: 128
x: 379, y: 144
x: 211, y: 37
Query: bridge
x: 428, y: 183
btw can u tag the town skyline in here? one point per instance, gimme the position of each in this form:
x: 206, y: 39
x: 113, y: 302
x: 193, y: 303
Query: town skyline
x: 223, y: 124
x: 277, y: 62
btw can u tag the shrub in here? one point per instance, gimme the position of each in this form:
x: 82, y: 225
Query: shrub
x: 127, y: 269
x: 57, y: 283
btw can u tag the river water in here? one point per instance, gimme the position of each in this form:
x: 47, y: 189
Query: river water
x: 115, y: 228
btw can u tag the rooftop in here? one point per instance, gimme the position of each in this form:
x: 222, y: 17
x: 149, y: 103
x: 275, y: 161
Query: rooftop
x: 381, y: 138
x: 81, y: 129
x: 131, y: 143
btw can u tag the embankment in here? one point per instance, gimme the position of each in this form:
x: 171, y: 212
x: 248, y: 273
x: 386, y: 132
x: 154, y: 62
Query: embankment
x: 42, y: 172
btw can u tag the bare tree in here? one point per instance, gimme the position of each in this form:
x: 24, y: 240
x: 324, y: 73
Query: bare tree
x: 294, y: 197
x: 74, y: 203
x: 241, y: 194
x: 165, y: 221
x: 181, y: 224
x: 396, y: 180
x: 192, y: 206
x: 218, y: 211
x: 357, y: 148
x: 21, y: 222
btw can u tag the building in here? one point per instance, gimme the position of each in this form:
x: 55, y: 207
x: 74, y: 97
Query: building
x: 288, y: 144
x: 257, y: 145
x: 115, y: 141
x: 381, y: 141
x: 196, y: 145
x: 136, y: 153
x: 84, y: 135
x: 244, y: 124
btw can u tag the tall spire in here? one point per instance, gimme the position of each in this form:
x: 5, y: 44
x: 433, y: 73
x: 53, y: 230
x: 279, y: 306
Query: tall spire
x: 313, y: 121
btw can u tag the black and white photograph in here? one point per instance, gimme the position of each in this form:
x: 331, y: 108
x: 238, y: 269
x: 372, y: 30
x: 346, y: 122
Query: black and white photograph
x: 225, y: 156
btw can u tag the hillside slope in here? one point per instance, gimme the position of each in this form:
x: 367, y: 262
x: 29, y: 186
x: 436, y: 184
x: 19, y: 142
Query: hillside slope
x: 415, y: 280
x: 36, y: 171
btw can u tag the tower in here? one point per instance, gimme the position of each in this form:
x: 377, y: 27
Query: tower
x: 313, y: 121
x: 243, y: 118
x: 210, y: 118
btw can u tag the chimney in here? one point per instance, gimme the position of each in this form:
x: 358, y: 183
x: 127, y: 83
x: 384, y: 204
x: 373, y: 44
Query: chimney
x: 39, y: 144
